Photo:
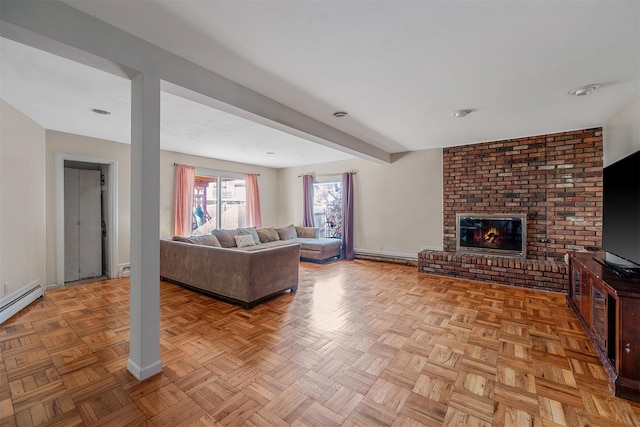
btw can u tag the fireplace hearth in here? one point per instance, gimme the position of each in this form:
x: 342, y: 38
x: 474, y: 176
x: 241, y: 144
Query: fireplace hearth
x: 492, y: 234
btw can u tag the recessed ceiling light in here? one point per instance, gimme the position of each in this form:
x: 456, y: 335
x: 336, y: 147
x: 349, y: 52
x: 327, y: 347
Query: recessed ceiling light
x: 584, y: 90
x: 270, y: 152
x: 340, y: 114
x: 103, y: 112
x: 460, y: 113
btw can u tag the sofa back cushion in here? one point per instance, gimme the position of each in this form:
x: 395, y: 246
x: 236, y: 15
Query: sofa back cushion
x: 251, y: 231
x: 287, y: 233
x: 268, y: 234
x: 308, y: 232
x: 181, y: 239
x: 226, y: 237
x: 206, y: 240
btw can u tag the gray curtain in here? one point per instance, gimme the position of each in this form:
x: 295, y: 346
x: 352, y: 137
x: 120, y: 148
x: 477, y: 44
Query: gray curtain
x: 347, y: 216
x: 307, y: 198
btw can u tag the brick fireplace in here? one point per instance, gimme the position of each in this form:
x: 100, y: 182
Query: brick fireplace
x: 495, y: 234
x: 555, y: 180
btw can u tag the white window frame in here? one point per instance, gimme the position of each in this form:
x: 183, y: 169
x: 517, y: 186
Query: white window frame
x: 219, y: 175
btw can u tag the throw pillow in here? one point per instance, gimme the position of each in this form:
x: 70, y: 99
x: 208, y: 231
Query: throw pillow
x: 244, y: 240
x: 206, y: 240
x: 226, y: 237
x: 268, y: 235
x: 252, y: 231
x: 287, y: 233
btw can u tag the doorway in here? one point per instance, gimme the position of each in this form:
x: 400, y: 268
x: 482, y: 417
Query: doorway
x: 84, y: 222
x: 86, y: 219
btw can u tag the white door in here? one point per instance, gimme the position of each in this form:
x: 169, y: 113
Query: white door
x: 83, y: 237
x: 71, y: 228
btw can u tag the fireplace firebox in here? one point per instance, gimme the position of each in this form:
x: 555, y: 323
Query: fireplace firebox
x: 492, y: 234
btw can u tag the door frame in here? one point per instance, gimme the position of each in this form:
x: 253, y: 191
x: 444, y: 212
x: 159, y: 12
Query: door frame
x: 112, y: 209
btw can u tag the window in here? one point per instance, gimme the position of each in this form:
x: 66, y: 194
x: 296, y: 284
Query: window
x: 218, y: 202
x: 327, y: 207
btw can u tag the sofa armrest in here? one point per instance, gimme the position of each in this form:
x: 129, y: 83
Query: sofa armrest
x: 308, y: 232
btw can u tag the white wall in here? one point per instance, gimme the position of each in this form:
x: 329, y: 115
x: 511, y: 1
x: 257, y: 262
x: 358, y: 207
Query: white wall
x: 22, y: 191
x: 397, y: 207
x: 77, y: 145
x: 621, y: 134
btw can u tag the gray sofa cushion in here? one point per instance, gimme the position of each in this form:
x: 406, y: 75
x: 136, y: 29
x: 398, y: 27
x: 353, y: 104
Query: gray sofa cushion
x: 287, y: 233
x: 319, y: 249
x: 182, y: 239
x: 252, y: 231
x: 266, y: 245
x: 226, y: 237
x: 268, y: 234
x: 207, y: 240
x: 308, y: 232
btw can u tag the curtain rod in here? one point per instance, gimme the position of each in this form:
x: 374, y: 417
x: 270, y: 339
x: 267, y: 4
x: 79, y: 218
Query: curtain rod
x: 217, y: 170
x: 328, y: 174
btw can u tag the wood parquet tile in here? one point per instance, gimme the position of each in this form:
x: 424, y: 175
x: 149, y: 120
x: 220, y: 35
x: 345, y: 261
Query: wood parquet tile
x: 360, y: 344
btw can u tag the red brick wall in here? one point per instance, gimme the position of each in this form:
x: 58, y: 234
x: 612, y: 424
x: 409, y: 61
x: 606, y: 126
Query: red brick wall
x: 550, y: 275
x: 555, y: 179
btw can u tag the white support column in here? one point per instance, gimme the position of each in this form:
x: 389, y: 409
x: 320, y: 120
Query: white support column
x: 144, y: 350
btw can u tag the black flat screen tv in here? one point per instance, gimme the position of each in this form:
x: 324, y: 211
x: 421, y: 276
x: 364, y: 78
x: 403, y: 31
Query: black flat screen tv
x: 621, y: 208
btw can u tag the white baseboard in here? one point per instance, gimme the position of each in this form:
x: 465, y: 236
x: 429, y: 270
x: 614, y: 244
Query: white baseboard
x: 386, y: 254
x: 146, y: 372
x: 15, y: 301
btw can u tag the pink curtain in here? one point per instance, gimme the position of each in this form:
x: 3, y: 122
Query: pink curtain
x: 254, y: 217
x: 307, y: 199
x: 183, y: 200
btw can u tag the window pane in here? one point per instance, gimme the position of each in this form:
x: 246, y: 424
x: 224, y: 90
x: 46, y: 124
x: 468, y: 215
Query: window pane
x: 204, y: 204
x: 234, y: 202
x: 231, y: 197
x: 327, y: 208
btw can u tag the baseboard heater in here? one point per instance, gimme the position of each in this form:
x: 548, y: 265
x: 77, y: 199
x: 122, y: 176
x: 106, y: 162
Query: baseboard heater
x: 124, y: 270
x: 16, y: 301
x: 392, y: 257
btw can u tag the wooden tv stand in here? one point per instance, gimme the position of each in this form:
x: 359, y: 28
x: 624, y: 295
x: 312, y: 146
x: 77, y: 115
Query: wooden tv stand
x: 608, y: 307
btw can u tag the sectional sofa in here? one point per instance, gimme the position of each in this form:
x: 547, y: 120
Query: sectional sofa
x: 237, y: 275
x: 243, y: 266
x: 312, y: 247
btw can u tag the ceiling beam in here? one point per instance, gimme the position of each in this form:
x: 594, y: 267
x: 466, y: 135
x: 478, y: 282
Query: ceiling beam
x: 42, y: 23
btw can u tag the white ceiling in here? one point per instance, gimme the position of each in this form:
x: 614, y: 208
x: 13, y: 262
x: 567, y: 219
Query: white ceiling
x: 59, y: 94
x: 400, y: 68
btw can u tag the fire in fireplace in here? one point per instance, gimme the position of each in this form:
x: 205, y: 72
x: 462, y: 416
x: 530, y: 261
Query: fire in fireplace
x: 495, y: 234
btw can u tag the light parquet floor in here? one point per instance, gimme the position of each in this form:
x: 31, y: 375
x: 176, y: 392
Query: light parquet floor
x: 360, y: 344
